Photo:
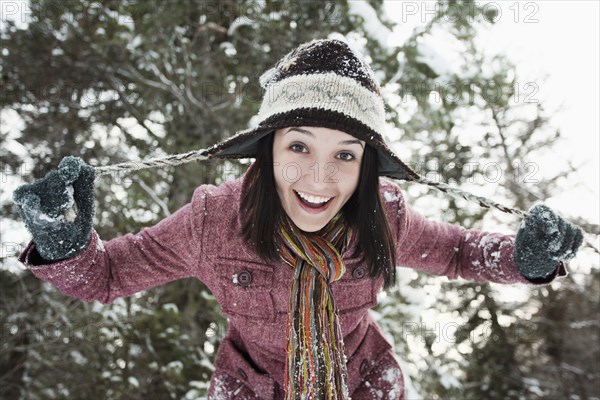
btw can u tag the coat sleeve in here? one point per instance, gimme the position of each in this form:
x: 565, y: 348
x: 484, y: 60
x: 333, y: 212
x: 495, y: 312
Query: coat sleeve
x: 106, y: 270
x: 453, y: 251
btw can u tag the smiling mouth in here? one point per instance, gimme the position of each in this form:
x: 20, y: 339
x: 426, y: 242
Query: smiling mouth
x: 313, y: 202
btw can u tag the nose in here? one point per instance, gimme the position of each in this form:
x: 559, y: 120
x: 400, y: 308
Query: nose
x: 319, y: 172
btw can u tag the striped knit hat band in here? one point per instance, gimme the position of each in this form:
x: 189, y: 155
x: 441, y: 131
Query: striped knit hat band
x: 323, y: 83
x: 326, y: 92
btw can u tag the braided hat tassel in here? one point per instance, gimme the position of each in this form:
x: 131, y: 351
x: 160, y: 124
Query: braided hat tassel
x: 202, y: 155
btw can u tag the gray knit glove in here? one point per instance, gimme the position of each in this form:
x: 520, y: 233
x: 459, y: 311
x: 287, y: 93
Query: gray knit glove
x: 58, y: 209
x: 543, y: 240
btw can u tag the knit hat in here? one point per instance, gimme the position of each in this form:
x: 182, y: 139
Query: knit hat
x: 322, y: 83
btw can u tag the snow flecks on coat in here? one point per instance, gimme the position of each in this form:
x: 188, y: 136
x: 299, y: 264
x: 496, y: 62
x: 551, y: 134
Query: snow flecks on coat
x: 491, y: 256
x: 219, y: 390
x: 224, y: 387
x: 385, y: 383
x: 393, y: 376
x: 70, y: 276
x: 390, y: 197
x: 138, y: 239
x: 99, y: 244
x: 377, y: 394
x: 495, y: 251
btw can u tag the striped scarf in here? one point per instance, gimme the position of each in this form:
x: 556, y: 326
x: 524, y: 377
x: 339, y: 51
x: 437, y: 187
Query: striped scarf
x: 316, y: 364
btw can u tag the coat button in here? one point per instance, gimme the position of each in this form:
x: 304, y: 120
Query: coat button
x: 244, y: 278
x: 359, y: 272
x: 243, y: 374
x: 364, y: 366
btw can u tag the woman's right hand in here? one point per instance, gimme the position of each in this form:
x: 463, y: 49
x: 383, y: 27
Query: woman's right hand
x: 58, y: 210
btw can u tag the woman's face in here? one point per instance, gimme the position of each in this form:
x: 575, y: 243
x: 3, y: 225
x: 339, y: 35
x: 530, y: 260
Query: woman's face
x: 316, y: 172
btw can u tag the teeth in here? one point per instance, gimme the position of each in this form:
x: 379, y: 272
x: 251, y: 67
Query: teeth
x: 313, y: 199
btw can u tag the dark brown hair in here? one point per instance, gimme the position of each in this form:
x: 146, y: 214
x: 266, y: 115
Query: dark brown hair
x: 363, y: 212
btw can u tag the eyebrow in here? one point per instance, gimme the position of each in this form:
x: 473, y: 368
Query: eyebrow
x: 309, y: 133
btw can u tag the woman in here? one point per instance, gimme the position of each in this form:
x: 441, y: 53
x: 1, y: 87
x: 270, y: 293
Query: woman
x: 296, y: 250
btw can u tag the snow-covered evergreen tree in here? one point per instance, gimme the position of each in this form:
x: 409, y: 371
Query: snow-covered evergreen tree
x: 112, y: 81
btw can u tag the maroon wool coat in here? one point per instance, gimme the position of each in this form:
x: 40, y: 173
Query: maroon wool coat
x: 201, y: 240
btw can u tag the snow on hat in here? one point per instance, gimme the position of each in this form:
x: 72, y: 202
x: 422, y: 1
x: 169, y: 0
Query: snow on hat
x: 322, y: 83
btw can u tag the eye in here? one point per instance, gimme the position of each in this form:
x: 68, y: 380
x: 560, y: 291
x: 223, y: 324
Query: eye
x: 298, y: 148
x: 346, y: 156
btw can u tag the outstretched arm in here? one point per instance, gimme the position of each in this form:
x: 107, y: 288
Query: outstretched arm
x: 453, y: 251
x: 130, y: 263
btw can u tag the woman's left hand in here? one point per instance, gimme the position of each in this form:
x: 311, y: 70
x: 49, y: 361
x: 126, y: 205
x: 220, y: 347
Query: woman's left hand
x: 543, y: 240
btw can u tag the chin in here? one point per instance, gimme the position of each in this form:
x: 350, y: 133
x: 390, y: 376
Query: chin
x: 309, y: 227
x: 311, y: 223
